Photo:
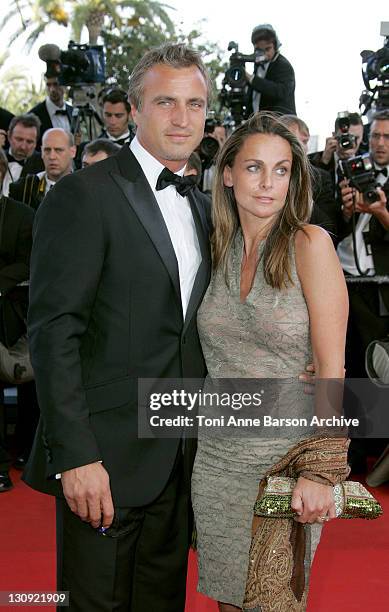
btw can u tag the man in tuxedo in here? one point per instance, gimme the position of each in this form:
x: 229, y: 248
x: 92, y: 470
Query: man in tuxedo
x: 22, y: 158
x: 116, y: 112
x: 325, y: 210
x: 271, y: 86
x: 120, y: 264
x: 116, y: 117
x: 58, y: 152
x: 369, y: 300
x: 334, y: 153
x: 53, y: 111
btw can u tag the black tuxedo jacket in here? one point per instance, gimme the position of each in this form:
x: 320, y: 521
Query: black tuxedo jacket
x: 105, y: 310
x: 277, y: 88
x: 15, y: 250
x: 40, y: 110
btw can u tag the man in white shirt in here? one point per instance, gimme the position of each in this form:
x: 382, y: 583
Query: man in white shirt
x: 23, y: 133
x: 368, y: 292
x: 53, y: 111
x: 120, y: 264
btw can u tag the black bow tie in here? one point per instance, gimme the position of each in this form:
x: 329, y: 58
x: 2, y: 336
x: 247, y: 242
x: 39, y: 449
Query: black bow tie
x: 121, y: 141
x: 61, y: 111
x: 11, y: 159
x: 183, y: 184
x: 383, y: 171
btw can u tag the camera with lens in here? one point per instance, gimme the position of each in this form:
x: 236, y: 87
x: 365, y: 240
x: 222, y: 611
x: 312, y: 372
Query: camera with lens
x: 360, y: 172
x: 209, y: 146
x: 344, y: 138
x: 375, y: 68
x: 82, y: 68
x: 233, y: 93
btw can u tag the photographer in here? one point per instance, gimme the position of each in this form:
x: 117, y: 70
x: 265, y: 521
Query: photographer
x: 53, y: 111
x: 369, y: 299
x: 272, y: 85
x: 334, y: 149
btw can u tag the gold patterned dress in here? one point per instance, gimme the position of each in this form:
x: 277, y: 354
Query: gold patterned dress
x: 265, y: 337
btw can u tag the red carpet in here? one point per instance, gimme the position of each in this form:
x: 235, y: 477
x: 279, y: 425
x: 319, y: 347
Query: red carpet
x: 350, y: 572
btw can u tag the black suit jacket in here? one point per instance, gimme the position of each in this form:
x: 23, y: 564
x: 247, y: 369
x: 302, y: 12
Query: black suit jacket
x: 277, y: 88
x: 105, y: 310
x: 326, y: 209
x: 15, y: 250
x: 40, y: 110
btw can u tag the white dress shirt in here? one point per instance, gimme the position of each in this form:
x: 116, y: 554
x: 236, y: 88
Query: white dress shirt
x: 58, y: 121
x: 13, y: 173
x: 49, y: 182
x: 179, y: 221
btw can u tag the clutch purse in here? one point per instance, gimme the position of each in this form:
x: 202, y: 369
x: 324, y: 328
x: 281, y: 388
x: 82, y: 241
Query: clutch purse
x: 352, y: 500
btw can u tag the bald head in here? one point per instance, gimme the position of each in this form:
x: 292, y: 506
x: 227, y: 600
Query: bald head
x: 58, y: 152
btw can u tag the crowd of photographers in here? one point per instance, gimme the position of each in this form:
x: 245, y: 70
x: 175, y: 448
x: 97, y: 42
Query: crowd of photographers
x: 350, y: 190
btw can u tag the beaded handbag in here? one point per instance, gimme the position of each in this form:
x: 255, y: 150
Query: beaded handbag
x: 351, y: 498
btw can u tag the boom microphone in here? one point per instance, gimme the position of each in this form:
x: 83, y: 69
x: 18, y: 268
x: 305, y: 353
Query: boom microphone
x: 49, y: 53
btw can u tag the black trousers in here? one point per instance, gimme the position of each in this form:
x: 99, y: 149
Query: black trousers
x: 141, y: 570
x: 365, y: 324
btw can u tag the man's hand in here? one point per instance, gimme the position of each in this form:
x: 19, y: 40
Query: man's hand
x: 87, y: 492
x: 329, y: 150
x: 313, y: 502
x: 348, y: 195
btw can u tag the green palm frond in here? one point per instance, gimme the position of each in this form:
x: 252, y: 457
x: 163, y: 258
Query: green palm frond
x: 34, y: 35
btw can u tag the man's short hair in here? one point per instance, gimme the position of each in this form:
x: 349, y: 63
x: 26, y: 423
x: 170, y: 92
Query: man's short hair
x: 382, y: 115
x: 101, y: 144
x: 265, y: 32
x: 28, y: 120
x: 354, y: 118
x: 115, y: 96
x: 3, y: 164
x: 294, y: 120
x: 173, y: 55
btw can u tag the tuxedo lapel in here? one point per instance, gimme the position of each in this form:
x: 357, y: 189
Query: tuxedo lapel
x: 136, y: 189
x: 203, y: 273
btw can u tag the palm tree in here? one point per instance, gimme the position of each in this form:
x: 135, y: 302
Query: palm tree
x: 36, y: 15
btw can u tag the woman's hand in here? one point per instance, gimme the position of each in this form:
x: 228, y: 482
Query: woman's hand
x: 313, y: 502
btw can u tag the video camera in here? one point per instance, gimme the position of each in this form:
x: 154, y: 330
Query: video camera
x: 360, y: 172
x: 79, y: 65
x: 82, y: 68
x: 233, y: 92
x: 345, y: 139
x: 375, y: 67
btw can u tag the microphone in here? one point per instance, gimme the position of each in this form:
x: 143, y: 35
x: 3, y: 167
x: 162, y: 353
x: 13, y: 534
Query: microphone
x: 49, y: 53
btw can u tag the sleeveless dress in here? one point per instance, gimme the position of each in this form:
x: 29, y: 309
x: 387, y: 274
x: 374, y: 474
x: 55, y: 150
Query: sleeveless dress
x: 267, y: 336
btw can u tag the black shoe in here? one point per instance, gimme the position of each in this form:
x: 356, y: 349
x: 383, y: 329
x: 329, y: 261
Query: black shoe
x: 5, y: 482
x: 19, y: 463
